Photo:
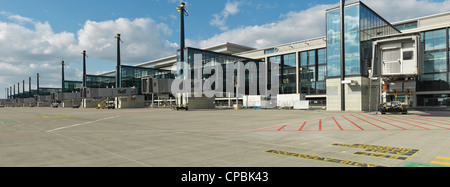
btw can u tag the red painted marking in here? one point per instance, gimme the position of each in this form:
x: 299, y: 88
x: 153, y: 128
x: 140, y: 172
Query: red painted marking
x: 338, y: 124
x: 303, y: 126
x: 320, y: 125
x: 425, y: 123
x: 352, y: 122
x: 431, y: 121
x: 384, y: 122
x: 405, y: 123
x: 282, y: 128
x: 368, y: 122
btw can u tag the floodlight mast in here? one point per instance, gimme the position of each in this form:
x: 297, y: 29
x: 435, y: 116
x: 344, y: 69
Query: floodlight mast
x: 29, y: 87
x: 118, y: 82
x: 62, y: 73
x: 37, y: 84
x: 342, y: 7
x: 84, y: 67
x: 183, y: 12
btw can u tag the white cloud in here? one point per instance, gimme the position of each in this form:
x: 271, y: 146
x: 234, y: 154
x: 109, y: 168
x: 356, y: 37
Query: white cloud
x: 294, y: 26
x: 30, y: 47
x: 310, y: 23
x: 219, y: 20
x: 141, y: 38
x: 398, y: 10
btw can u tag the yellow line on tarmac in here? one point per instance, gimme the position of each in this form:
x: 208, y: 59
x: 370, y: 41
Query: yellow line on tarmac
x: 323, y: 159
x: 440, y: 163
x: 442, y: 158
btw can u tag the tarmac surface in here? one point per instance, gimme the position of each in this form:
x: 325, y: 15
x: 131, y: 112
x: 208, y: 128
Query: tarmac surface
x: 56, y: 137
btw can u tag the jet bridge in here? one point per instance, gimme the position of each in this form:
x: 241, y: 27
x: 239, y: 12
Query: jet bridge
x: 397, y: 63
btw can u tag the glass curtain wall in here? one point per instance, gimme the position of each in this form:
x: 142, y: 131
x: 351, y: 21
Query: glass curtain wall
x: 289, y: 75
x: 361, y: 24
x: 287, y: 72
x: 72, y: 86
x: 435, y: 61
x: 313, y: 72
x: 213, y: 58
x: 132, y: 76
x: 48, y: 91
x: 352, y: 42
x: 97, y: 81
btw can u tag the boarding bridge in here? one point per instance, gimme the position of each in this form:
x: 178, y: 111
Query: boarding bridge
x: 162, y: 89
x: 66, y: 100
x: 122, y: 97
x: 397, y: 63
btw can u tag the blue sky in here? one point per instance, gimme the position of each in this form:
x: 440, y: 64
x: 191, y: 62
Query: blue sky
x: 67, y: 15
x: 35, y: 35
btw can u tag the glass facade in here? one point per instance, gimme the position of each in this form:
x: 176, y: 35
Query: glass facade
x: 72, y: 86
x: 213, y: 58
x: 132, y: 76
x: 436, y: 62
x: 48, y: 91
x: 407, y: 26
x: 289, y: 74
x: 436, y: 100
x: 313, y: 72
x: 26, y: 94
x: 361, y: 24
x: 97, y: 81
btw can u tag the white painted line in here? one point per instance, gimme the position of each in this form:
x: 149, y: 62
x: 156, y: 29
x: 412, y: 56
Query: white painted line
x: 57, y: 129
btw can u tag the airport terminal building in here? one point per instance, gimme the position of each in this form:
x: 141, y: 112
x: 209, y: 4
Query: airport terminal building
x: 312, y: 67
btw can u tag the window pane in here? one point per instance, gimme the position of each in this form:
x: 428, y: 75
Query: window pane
x: 289, y: 60
x: 306, y: 88
x: 352, y: 66
x: 435, y: 40
x: 303, y: 58
x: 321, y: 88
x: 322, y: 73
x: 435, y: 62
x: 333, y: 68
x: 312, y: 57
x: 322, y: 56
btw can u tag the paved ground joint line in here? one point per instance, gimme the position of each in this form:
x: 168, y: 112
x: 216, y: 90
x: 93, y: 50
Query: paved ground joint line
x: 79, y: 124
x: 104, y: 150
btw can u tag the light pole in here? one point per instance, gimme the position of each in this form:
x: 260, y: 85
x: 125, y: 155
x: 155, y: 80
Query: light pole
x: 342, y: 7
x: 29, y: 87
x: 118, y: 83
x: 62, y: 75
x: 23, y: 88
x: 183, y: 12
x: 84, y: 67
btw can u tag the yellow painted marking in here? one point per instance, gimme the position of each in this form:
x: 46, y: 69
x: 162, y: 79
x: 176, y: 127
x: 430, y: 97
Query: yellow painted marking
x: 45, y: 116
x: 383, y: 149
x: 442, y: 158
x: 324, y: 159
x: 381, y: 156
x: 63, y: 116
x: 440, y: 163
